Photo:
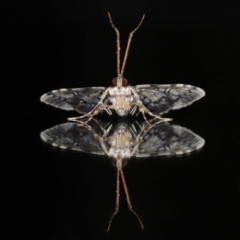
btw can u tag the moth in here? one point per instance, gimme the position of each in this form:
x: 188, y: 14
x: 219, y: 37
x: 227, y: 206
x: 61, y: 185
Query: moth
x: 121, y: 141
x: 151, y: 99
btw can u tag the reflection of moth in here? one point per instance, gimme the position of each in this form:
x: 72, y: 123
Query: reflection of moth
x: 122, y: 141
x: 151, y: 99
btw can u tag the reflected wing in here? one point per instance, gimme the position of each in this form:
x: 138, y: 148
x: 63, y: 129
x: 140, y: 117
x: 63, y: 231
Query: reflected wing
x: 166, y: 139
x: 82, y: 100
x: 162, y: 98
x: 73, y: 137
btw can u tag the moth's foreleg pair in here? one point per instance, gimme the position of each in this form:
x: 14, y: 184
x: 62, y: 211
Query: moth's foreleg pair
x: 142, y: 109
x: 97, y: 109
x: 143, y: 130
x: 136, y: 105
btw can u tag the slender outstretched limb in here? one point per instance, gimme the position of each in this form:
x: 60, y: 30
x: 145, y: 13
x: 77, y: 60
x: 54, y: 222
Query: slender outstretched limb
x: 118, y: 44
x: 89, y: 116
x: 117, y: 200
x: 128, y: 45
x: 97, y: 109
x: 105, y: 129
x: 144, y: 110
x: 144, y: 129
x: 128, y: 199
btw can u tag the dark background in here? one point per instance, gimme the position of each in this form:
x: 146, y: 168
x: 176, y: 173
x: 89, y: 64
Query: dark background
x: 54, y: 194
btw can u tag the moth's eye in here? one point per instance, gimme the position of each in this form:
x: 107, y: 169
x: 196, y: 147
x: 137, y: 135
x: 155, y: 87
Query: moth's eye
x: 125, y: 82
x: 124, y: 163
x: 114, y: 81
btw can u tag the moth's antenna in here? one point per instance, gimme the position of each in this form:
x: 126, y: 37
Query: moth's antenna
x: 128, y: 45
x: 118, y: 44
x: 117, y: 200
x: 119, y: 171
x: 128, y: 199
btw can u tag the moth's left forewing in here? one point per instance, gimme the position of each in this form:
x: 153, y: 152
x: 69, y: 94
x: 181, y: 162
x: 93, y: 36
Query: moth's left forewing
x: 160, y: 99
x: 73, y: 137
x: 82, y: 100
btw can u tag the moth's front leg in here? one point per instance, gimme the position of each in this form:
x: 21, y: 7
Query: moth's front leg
x: 89, y: 116
x: 97, y: 109
x: 84, y: 124
x: 144, y: 110
x: 102, y: 138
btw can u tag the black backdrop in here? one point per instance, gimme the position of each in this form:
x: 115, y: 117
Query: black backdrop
x: 54, y: 194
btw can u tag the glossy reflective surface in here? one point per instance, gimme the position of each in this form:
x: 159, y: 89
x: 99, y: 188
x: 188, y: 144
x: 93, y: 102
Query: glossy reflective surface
x: 123, y: 139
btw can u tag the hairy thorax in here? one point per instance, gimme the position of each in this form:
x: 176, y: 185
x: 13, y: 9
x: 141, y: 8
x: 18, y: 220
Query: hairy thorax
x: 122, y: 100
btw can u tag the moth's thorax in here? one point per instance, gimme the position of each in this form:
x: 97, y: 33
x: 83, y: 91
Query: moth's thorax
x: 121, y: 99
x: 121, y: 143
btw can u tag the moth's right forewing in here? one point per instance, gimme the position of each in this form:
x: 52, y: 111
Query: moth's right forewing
x: 160, y: 99
x: 166, y: 139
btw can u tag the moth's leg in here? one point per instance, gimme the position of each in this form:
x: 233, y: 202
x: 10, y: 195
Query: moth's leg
x: 117, y: 199
x: 144, y: 129
x: 134, y: 130
x: 155, y: 116
x: 144, y: 110
x: 89, y: 115
x: 136, y: 144
x: 102, y: 138
x: 141, y: 109
x: 133, y: 109
x: 128, y: 200
x: 139, y: 136
x: 106, y: 131
x: 107, y: 110
x: 84, y: 124
x: 101, y: 141
x: 97, y: 109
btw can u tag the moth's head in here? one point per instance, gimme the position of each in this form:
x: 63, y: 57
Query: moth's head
x: 119, y: 82
x: 115, y: 163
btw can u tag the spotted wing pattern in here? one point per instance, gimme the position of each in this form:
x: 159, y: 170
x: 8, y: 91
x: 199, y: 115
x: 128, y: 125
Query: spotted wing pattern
x: 74, y: 137
x: 155, y: 140
x: 166, y: 139
x: 160, y: 99
x: 82, y: 100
